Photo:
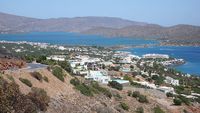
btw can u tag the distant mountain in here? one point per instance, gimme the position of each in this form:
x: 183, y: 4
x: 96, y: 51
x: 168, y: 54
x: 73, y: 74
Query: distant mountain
x: 178, y: 32
x: 107, y: 26
x: 11, y: 23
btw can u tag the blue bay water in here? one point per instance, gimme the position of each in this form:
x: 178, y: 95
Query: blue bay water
x: 72, y: 39
x: 190, y: 54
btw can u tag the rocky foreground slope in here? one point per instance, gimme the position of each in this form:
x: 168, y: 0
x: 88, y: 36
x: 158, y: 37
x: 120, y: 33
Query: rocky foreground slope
x: 64, y: 98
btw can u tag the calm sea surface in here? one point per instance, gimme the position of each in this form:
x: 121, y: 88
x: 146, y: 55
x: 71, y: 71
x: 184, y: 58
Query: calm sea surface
x: 190, y: 54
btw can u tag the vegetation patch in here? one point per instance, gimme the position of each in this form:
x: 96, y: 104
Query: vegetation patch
x: 157, y: 109
x: 141, y: 98
x: 37, y: 76
x: 90, y: 89
x: 45, y: 78
x: 124, y: 106
x: 26, y: 81
x: 139, y: 110
x: 58, y: 72
x: 115, y: 85
x: 13, y: 101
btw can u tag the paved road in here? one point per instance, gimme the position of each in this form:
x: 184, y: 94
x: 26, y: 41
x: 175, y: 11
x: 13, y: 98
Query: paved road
x: 34, y: 66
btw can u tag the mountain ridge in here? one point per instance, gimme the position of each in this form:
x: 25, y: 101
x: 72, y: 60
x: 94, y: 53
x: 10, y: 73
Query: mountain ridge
x: 107, y: 26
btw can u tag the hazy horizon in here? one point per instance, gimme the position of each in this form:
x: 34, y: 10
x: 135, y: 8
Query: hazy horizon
x: 165, y: 13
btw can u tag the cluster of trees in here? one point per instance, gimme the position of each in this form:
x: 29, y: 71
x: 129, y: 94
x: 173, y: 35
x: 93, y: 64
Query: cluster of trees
x: 12, y: 100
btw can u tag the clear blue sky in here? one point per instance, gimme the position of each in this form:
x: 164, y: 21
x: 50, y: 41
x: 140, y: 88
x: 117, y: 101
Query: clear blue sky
x: 163, y: 12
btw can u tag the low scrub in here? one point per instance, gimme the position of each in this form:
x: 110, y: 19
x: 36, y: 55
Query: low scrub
x: 37, y: 76
x: 13, y: 101
x: 45, y: 79
x: 90, y: 89
x: 40, y: 98
x: 157, y: 109
x: 177, y: 101
x: 115, y: 85
x: 139, y: 110
x: 141, y: 98
x: 58, y: 72
x: 26, y: 81
x: 124, y: 106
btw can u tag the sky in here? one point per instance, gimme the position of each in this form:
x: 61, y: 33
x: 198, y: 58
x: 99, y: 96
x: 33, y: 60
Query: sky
x: 163, y: 12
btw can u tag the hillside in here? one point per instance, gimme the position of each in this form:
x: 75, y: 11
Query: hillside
x: 178, y: 32
x: 107, y: 26
x: 66, y: 99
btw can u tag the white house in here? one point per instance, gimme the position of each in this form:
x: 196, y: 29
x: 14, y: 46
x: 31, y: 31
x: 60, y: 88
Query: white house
x: 99, y: 76
x: 57, y: 57
x: 172, y: 81
x: 166, y: 89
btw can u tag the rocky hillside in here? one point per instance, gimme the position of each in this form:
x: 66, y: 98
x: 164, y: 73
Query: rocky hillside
x: 99, y: 26
x: 65, y: 98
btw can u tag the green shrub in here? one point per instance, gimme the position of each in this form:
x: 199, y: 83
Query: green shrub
x: 12, y: 100
x: 26, y: 81
x: 136, y: 94
x: 139, y: 97
x: 143, y: 99
x: 169, y: 94
x: 184, y: 99
x: 157, y: 109
x: 75, y: 81
x: 124, y: 106
x: 177, y: 101
x: 115, y: 85
x: 58, y: 72
x: 129, y: 93
x: 139, y: 110
x: 40, y: 98
x: 101, y: 89
x: 46, y: 79
x: 37, y: 76
x: 84, y: 89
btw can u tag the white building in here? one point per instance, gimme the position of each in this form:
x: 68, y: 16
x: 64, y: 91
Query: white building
x: 154, y: 56
x: 166, y: 89
x: 99, y: 76
x: 172, y: 81
x: 57, y: 57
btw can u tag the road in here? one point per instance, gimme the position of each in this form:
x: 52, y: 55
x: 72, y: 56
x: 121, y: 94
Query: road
x: 34, y: 66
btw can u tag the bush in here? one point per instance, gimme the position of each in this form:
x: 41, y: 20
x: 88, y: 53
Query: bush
x: 58, y: 72
x: 46, y: 79
x: 139, y: 110
x: 40, y: 98
x: 101, y: 89
x: 177, y: 101
x: 26, y: 81
x: 84, y: 89
x: 184, y: 100
x: 12, y: 100
x: 157, y: 109
x: 169, y: 94
x: 129, y: 93
x: 37, y: 76
x: 143, y: 99
x: 75, y: 81
x: 124, y: 106
x: 136, y: 94
x: 115, y: 85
